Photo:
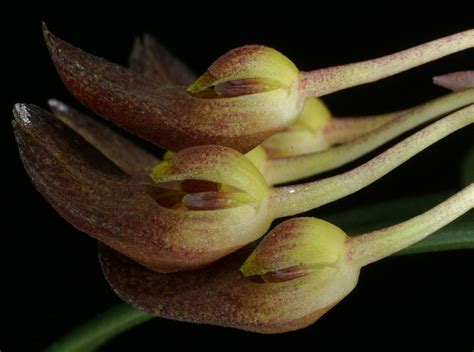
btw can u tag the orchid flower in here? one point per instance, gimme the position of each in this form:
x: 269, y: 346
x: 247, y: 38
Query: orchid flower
x: 177, y: 223
x: 300, y: 270
x: 246, y: 95
x: 176, y: 234
x: 314, y: 129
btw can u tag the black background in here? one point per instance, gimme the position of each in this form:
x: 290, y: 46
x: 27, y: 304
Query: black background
x: 51, y: 279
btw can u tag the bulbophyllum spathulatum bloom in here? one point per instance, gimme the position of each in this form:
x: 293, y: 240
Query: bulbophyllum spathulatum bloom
x: 207, y: 199
x: 299, y: 271
x: 246, y: 95
x: 177, y: 222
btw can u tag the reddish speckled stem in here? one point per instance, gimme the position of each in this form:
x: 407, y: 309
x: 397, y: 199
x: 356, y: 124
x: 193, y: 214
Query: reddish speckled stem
x: 295, y: 199
x: 340, y: 130
x: 292, y: 168
x: 373, y: 246
x: 327, y: 80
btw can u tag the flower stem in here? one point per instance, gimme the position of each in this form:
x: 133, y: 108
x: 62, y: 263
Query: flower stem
x: 375, y: 245
x: 324, y: 81
x: 346, y: 129
x: 291, y: 168
x: 359, y: 220
x: 295, y: 199
x: 96, y: 332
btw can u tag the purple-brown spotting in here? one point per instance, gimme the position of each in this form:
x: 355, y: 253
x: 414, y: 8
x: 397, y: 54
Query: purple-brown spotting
x: 218, y: 295
x: 96, y: 197
x: 166, y: 115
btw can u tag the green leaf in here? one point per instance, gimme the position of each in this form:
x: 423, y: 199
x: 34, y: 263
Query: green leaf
x: 101, y: 329
x: 457, y: 235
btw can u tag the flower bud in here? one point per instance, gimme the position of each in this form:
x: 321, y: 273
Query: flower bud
x: 456, y: 81
x: 246, y: 70
x: 305, y: 135
x: 296, y: 248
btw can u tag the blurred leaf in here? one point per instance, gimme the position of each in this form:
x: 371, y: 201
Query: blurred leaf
x: 457, y: 235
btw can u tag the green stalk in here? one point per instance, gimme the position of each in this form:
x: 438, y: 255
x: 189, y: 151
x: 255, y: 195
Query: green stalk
x: 94, y: 333
x: 375, y: 245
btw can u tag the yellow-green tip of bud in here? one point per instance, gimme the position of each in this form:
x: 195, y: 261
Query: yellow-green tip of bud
x: 247, y: 70
x: 304, y: 136
x: 296, y: 248
x: 314, y: 115
x: 217, y: 169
